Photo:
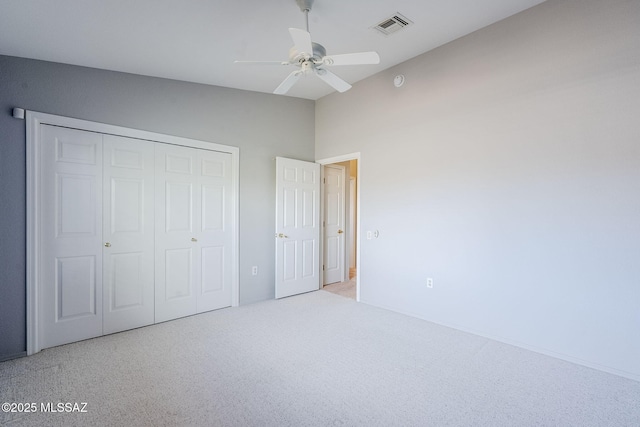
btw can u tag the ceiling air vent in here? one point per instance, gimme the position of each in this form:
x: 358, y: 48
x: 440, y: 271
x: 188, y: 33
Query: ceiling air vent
x: 393, y: 24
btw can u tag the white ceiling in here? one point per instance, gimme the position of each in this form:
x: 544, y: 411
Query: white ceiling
x: 198, y: 40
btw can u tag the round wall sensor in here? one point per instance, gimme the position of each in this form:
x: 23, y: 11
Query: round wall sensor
x: 398, y: 80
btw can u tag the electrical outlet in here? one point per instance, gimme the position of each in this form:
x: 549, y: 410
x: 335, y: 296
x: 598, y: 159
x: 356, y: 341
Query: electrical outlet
x: 254, y: 270
x: 429, y: 282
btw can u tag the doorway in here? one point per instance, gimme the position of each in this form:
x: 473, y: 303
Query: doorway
x: 341, y: 236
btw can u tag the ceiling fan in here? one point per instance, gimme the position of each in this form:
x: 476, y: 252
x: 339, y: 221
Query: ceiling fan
x: 310, y: 57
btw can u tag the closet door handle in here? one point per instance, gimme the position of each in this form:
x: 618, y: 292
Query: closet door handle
x: 107, y: 245
x: 193, y: 239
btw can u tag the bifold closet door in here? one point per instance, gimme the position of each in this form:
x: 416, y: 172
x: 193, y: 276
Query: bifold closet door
x: 193, y: 240
x: 97, y: 252
x: 70, y: 255
x: 128, y: 233
x: 132, y: 232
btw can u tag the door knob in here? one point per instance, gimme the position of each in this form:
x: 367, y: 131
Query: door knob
x: 282, y: 236
x: 193, y: 239
x: 107, y: 245
x: 340, y: 231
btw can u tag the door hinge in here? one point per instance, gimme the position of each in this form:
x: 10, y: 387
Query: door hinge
x: 323, y: 268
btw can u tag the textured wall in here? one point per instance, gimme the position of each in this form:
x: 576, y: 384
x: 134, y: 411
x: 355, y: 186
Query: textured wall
x: 262, y: 126
x: 508, y: 169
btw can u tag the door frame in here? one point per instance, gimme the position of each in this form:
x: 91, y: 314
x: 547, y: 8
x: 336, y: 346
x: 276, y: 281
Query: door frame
x: 33, y: 122
x: 339, y: 159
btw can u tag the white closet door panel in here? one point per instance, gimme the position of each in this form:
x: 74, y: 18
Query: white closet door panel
x: 71, y: 251
x: 178, y: 264
x: 126, y: 291
x: 214, y: 236
x: 76, y: 287
x: 176, y: 212
x: 213, y: 208
x: 213, y: 269
x: 128, y: 233
x: 179, y: 207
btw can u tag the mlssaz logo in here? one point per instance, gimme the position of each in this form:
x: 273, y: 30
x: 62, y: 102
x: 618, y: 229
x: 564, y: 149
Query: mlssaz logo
x: 63, y: 407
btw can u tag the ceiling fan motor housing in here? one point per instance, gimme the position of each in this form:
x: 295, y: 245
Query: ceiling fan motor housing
x: 319, y: 52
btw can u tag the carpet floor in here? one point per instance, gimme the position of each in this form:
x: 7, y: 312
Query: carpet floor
x: 316, y: 359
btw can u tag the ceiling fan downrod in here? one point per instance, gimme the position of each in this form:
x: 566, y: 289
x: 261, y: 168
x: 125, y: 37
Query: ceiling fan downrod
x: 305, y: 7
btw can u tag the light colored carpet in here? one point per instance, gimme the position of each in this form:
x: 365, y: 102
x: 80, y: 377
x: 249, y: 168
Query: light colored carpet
x: 311, y: 360
x: 345, y: 289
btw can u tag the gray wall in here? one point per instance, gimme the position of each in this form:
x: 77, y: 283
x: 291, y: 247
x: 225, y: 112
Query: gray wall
x: 262, y: 125
x: 507, y: 168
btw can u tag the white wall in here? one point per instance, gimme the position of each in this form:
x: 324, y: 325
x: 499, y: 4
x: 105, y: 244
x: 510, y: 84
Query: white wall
x: 508, y: 169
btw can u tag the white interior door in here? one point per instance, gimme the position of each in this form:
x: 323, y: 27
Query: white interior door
x: 297, y: 227
x: 334, y: 221
x: 128, y: 233
x: 193, y: 240
x: 71, y: 250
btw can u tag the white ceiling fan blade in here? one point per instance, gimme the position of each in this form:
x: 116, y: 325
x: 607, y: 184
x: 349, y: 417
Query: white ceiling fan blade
x: 301, y: 41
x: 332, y: 80
x: 361, y: 58
x: 288, y: 82
x: 262, y: 62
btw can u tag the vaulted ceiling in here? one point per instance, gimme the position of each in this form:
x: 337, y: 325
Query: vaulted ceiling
x: 199, y: 40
